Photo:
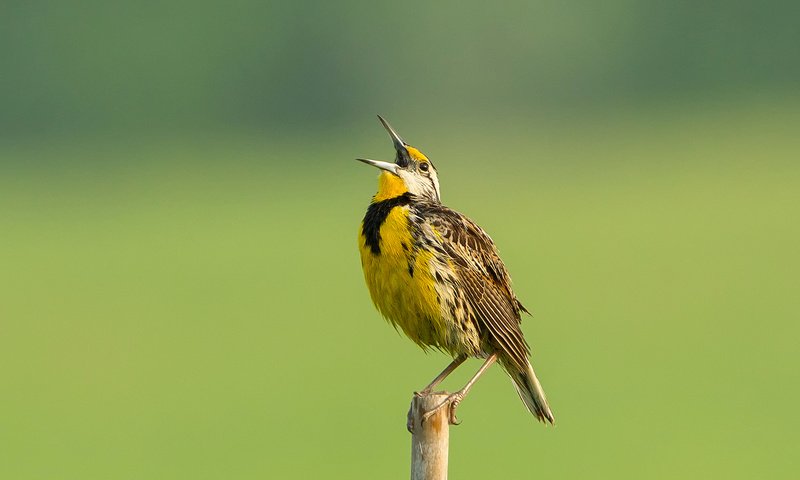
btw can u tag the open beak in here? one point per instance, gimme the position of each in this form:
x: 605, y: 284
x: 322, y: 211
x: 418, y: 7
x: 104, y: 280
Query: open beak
x: 402, y: 159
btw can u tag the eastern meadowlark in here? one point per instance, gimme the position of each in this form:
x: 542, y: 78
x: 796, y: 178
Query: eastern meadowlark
x: 438, y: 276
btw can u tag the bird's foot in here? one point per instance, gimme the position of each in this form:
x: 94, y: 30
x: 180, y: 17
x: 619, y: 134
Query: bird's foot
x: 451, y: 402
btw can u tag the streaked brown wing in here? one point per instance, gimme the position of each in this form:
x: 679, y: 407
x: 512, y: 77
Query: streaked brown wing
x: 484, y: 279
x: 496, y: 315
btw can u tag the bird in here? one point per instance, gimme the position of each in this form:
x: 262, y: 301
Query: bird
x: 437, y: 276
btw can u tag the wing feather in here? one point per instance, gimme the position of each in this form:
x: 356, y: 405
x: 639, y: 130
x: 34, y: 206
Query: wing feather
x: 484, y: 278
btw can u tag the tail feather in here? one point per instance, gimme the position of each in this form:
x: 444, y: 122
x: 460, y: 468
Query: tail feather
x: 530, y: 391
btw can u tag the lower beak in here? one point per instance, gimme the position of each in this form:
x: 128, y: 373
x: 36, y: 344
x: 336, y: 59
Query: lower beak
x: 389, y: 167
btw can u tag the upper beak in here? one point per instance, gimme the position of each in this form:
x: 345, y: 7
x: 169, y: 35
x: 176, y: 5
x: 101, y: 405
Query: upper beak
x: 399, y: 144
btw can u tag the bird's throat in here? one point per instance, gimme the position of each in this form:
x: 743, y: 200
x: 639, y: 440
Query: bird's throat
x: 389, y: 186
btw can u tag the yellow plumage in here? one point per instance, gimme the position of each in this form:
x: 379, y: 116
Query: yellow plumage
x: 409, y: 302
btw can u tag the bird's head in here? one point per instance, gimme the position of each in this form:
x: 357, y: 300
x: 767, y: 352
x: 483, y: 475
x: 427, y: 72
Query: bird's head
x: 411, y: 171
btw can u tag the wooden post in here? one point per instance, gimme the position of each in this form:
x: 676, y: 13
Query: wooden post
x: 430, y: 439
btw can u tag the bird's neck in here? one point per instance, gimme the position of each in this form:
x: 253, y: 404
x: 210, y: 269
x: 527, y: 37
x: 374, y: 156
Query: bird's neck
x: 377, y: 213
x: 389, y: 186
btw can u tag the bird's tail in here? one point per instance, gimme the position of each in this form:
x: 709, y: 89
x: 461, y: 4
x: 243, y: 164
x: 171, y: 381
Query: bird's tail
x: 529, y: 390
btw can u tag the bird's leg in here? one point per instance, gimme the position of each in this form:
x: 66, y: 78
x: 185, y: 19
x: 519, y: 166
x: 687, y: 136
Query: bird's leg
x: 447, y: 371
x: 436, y: 381
x: 454, y: 399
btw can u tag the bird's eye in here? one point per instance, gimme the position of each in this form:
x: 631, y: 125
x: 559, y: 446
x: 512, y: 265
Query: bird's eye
x: 423, y: 167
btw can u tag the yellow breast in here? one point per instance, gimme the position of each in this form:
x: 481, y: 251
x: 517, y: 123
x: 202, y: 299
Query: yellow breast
x: 400, y: 280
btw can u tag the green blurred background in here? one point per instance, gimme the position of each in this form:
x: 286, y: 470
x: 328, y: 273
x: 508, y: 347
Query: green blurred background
x: 181, y: 294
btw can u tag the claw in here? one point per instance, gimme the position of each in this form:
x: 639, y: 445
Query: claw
x: 451, y: 402
x: 453, y: 420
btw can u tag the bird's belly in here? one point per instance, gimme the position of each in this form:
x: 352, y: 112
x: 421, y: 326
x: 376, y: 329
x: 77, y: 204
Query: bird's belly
x: 400, y: 282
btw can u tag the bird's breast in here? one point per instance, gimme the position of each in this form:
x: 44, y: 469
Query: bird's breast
x: 399, y: 276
